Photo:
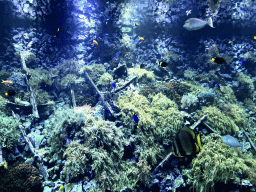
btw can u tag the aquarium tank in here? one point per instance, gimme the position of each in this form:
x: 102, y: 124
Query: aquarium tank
x: 127, y: 95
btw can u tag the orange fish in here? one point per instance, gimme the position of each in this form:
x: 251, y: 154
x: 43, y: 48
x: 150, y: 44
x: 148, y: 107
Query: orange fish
x: 7, y: 82
x: 95, y: 42
x: 141, y: 38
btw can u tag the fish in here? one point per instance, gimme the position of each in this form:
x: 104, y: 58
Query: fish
x: 218, y: 60
x: 188, y: 12
x: 114, y: 84
x: 218, y: 85
x: 231, y: 141
x: 136, y: 24
x: 186, y: 142
x: 195, y: 24
x: 61, y: 188
x: 254, y: 37
x: 114, y: 58
x: 242, y: 60
x: 118, y: 53
x: 7, y: 82
x: 91, y: 31
x: 135, y: 117
x: 95, y: 42
x: 107, y: 111
x: 57, y: 34
x: 10, y: 93
x: 230, y: 42
x: 5, y: 165
x: 141, y: 38
x: 45, y: 132
x: 142, y: 66
x: 163, y: 64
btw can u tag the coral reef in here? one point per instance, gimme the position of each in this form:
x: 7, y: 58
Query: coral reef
x: 9, y: 132
x: 219, y: 163
x: 189, y: 102
x: 222, y: 123
x: 143, y: 75
x: 247, y: 86
x: 105, y: 79
x: 21, y: 177
x: 190, y: 74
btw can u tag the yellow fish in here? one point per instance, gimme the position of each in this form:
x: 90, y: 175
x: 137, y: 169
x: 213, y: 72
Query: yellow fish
x: 61, y: 188
x: 91, y: 31
x: 7, y: 82
x: 254, y: 37
x: 141, y: 38
x: 45, y: 132
x: 136, y: 24
x: 230, y: 42
x: 5, y: 166
x: 95, y: 42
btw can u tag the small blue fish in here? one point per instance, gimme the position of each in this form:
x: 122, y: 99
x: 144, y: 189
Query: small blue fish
x: 243, y: 61
x: 81, y: 119
x: 135, y: 117
x: 107, y: 111
x: 118, y: 53
x: 231, y: 141
x: 113, y: 84
x: 114, y: 58
x: 218, y: 85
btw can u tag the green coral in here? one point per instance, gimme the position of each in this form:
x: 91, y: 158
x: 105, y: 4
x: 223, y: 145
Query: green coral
x: 247, y: 88
x: 237, y: 113
x: 69, y: 80
x: 218, y: 120
x: 226, y: 94
x: 105, y: 79
x: 143, y: 75
x: 9, y: 132
x: 190, y: 74
x: 39, y: 77
x: 159, y: 120
x: 219, y: 163
x: 63, y: 121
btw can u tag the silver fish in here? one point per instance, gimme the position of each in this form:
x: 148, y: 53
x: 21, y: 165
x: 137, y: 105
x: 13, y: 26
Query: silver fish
x: 231, y: 141
x: 195, y: 24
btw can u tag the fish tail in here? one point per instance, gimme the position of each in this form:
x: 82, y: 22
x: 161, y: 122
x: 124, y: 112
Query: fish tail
x: 210, y: 22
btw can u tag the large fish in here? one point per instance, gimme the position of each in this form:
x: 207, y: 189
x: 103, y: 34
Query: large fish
x: 195, y: 24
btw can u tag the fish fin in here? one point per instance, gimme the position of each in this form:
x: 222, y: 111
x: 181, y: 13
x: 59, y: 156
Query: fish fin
x: 198, y: 140
x: 210, y: 22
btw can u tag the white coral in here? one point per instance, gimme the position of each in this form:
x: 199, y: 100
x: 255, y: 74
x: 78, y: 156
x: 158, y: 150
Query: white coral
x: 188, y: 101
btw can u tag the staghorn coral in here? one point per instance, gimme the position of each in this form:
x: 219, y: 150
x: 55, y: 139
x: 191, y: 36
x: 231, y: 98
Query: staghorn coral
x: 219, y: 163
x: 222, y: 123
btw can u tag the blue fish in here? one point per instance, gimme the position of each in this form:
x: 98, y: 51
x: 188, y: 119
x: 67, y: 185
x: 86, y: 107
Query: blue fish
x: 107, y: 111
x: 135, y: 117
x: 218, y: 85
x: 113, y: 84
x: 114, y: 58
x: 243, y: 61
x: 118, y: 53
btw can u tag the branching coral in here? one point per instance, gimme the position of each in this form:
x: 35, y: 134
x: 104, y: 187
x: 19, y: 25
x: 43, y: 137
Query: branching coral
x: 143, y: 75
